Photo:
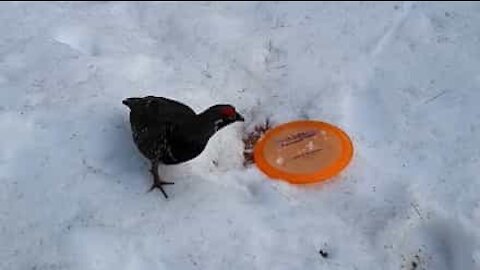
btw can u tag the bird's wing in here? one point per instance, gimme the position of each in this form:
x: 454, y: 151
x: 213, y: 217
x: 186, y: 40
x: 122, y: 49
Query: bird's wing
x: 149, y: 115
x: 158, y: 107
x: 154, y: 121
x: 154, y: 141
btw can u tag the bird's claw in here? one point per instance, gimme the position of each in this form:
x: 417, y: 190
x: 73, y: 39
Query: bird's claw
x: 160, y: 185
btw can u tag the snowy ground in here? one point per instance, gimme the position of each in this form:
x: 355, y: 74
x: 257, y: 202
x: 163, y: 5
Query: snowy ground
x: 401, y: 78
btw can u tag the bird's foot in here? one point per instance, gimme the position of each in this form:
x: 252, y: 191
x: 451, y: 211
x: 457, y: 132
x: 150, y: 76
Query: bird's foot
x: 159, y: 185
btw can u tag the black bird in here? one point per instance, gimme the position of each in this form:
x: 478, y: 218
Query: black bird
x: 169, y: 132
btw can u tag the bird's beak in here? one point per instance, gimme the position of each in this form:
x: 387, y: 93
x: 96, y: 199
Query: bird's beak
x: 240, y: 118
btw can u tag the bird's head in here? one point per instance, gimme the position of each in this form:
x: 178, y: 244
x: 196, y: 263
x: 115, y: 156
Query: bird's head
x: 222, y: 115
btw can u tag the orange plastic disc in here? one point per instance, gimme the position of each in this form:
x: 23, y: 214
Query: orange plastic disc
x: 303, y: 152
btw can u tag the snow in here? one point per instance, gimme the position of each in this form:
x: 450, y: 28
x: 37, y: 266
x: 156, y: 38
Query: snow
x: 401, y: 78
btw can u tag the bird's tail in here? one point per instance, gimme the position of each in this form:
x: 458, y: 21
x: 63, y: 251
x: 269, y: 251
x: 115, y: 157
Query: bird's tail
x: 130, y: 102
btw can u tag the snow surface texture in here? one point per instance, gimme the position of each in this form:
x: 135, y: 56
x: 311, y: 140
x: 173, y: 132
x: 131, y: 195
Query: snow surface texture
x: 401, y: 78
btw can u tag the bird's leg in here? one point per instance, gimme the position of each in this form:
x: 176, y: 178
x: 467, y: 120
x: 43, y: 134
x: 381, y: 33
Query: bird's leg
x: 157, y: 181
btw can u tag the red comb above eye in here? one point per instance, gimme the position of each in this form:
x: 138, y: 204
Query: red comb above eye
x: 228, y: 112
